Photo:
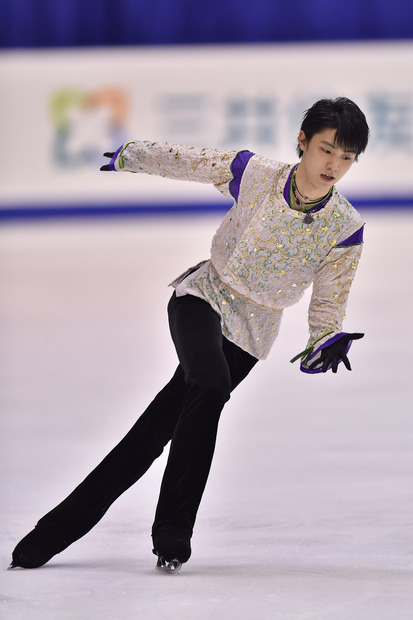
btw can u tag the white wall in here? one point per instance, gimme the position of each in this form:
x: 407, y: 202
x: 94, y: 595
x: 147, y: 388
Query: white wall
x: 60, y: 110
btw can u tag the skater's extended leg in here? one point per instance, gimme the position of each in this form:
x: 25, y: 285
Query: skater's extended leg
x: 121, y: 468
x: 213, y: 367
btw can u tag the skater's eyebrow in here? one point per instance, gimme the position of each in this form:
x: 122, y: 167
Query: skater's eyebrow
x: 334, y: 146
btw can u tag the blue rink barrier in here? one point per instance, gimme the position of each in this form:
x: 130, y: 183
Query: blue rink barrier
x: 111, y: 210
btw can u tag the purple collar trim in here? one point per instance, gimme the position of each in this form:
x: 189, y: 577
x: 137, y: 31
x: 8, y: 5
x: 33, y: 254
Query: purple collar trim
x: 287, y: 194
x: 287, y: 185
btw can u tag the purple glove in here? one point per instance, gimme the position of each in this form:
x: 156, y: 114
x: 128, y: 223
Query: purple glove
x: 335, y: 353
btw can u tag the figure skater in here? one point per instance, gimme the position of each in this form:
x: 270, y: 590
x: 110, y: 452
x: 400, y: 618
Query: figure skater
x: 288, y: 228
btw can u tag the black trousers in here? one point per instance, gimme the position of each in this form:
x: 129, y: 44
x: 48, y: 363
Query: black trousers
x: 186, y: 412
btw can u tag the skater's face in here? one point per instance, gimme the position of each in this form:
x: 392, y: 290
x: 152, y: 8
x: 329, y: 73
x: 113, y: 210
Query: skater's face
x: 324, y: 162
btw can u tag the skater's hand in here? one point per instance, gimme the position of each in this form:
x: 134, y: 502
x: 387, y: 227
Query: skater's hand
x: 106, y: 167
x: 335, y: 353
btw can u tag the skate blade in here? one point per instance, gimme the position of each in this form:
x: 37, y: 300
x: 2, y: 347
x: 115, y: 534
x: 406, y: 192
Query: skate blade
x: 172, y: 567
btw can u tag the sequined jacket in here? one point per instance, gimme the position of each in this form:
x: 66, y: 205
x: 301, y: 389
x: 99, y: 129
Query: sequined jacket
x: 263, y: 255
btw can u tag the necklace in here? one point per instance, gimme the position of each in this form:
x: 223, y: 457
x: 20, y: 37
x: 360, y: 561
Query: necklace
x: 308, y: 219
x: 307, y: 201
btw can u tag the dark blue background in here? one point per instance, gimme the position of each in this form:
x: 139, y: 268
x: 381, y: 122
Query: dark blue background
x: 65, y: 23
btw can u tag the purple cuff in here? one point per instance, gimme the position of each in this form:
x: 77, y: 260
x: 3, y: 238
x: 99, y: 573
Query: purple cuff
x: 112, y: 161
x: 325, y: 344
x: 237, y: 168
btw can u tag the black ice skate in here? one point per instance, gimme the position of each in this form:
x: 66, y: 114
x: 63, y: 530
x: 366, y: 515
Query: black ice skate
x: 170, y: 567
x: 37, y: 548
x: 173, y: 549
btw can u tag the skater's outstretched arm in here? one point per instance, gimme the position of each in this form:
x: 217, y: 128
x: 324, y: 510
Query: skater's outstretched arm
x: 174, y: 161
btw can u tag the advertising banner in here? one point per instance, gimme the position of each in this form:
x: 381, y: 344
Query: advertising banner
x: 60, y: 110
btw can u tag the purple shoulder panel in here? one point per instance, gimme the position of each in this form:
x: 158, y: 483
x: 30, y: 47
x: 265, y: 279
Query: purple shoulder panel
x: 355, y: 239
x: 237, y: 168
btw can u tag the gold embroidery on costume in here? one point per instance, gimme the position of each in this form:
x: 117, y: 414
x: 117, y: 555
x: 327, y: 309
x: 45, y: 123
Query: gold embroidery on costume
x: 263, y: 255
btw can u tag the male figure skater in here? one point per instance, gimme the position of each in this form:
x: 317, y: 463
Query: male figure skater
x: 289, y: 228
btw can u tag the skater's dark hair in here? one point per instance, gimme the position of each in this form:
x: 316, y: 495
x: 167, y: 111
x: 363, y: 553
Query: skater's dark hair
x: 341, y: 114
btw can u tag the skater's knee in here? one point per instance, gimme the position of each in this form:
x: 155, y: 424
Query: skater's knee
x: 217, y: 388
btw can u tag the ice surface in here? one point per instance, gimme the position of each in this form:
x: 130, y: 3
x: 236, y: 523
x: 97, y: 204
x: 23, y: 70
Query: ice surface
x: 308, y: 510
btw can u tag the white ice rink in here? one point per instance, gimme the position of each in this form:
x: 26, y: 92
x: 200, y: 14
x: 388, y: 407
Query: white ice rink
x: 308, y: 513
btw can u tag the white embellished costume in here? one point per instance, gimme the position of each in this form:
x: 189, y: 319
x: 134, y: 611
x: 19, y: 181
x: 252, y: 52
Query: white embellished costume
x: 263, y: 255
